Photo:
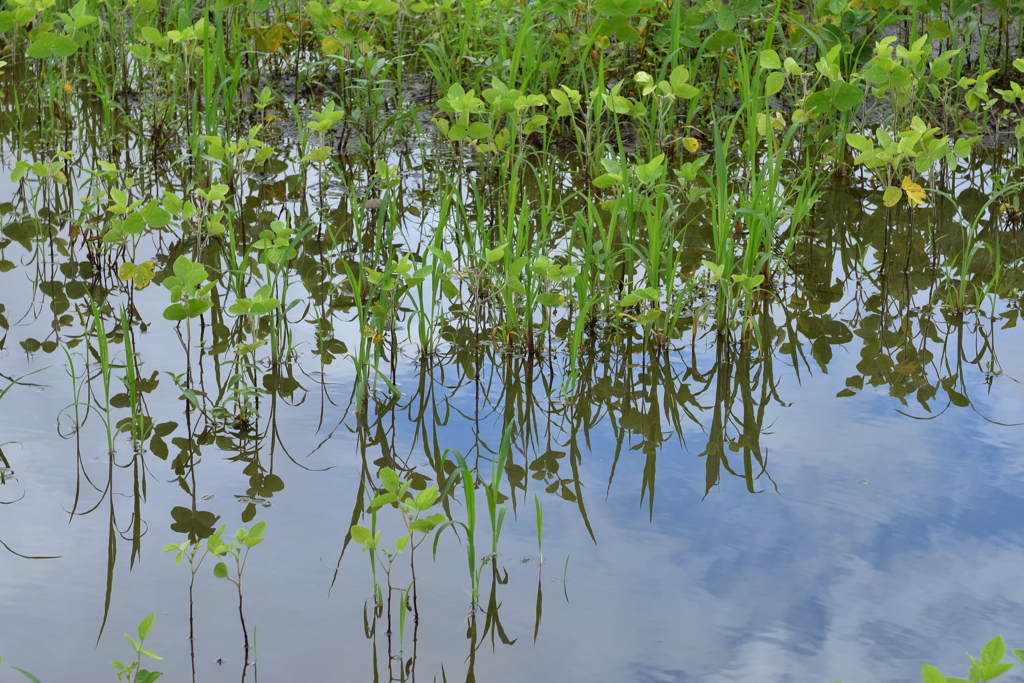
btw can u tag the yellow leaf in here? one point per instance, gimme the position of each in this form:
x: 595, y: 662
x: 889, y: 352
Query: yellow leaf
x: 331, y: 45
x: 691, y: 144
x: 892, y: 196
x: 141, y: 274
x: 915, y: 193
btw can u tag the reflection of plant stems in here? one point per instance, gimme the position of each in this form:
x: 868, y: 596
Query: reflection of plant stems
x: 189, y: 551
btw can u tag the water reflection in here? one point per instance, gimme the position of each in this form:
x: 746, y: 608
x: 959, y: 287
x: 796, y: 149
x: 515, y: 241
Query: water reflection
x: 920, y: 302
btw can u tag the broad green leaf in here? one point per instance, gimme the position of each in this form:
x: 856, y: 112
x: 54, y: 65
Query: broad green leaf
x: 382, y: 500
x: 424, y: 525
x: 769, y: 59
x: 938, y: 29
x: 774, y: 83
x: 389, y: 479
x: 20, y: 169
x: 145, y: 625
x: 479, y: 131
x: 929, y: 674
x: 986, y: 672
x: 819, y: 102
x: 995, y: 649
x: 607, y: 180
x: 64, y: 46
x: 858, y: 142
x: 958, y: 399
x: 360, y: 534
x: 847, y: 96
x: 175, y: 312
x: 892, y: 196
x: 427, y: 497
x: 43, y: 46
x: 155, y: 215
x: 721, y: 40
x: 220, y: 570
x: 151, y: 35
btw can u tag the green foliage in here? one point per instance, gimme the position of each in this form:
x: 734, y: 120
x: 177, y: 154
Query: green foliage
x: 188, y: 299
x: 133, y: 671
x: 988, y: 666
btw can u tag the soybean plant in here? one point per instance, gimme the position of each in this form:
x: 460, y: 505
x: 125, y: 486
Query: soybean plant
x: 990, y: 665
x: 238, y: 549
x: 396, y: 493
x: 133, y: 671
x: 234, y: 549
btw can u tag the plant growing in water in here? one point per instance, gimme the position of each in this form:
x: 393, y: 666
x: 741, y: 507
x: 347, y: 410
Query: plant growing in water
x: 133, y: 671
x: 238, y: 550
x: 396, y: 493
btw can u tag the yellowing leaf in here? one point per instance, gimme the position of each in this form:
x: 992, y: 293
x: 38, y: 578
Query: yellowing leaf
x: 691, y: 144
x: 140, y: 274
x: 915, y: 193
x: 892, y: 196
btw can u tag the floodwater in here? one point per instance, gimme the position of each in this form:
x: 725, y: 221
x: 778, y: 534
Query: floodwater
x: 713, y: 512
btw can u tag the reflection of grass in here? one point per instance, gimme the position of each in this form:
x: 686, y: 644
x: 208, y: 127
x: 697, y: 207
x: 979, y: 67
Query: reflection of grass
x: 18, y: 381
x: 495, y: 514
x: 547, y: 238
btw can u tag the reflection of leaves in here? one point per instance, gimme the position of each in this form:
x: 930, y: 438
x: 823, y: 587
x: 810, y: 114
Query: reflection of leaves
x: 157, y: 445
x: 821, y: 352
x: 924, y: 394
x: 637, y: 421
x: 198, y: 525
x: 958, y: 399
x: 546, y: 465
x: 282, y: 385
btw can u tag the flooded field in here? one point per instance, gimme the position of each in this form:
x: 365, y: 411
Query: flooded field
x: 604, y: 342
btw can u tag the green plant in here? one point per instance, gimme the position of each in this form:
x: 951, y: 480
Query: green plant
x: 133, y: 671
x: 188, y: 299
x: 988, y: 666
x: 24, y: 673
x: 495, y: 514
x: 395, y: 492
x: 238, y: 551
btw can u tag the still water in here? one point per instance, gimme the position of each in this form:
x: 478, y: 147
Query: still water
x: 711, y: 512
